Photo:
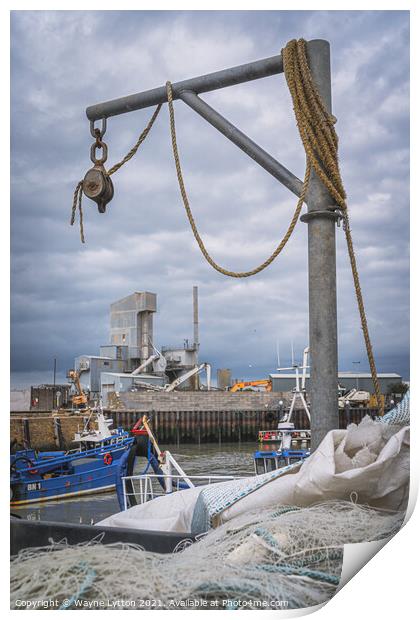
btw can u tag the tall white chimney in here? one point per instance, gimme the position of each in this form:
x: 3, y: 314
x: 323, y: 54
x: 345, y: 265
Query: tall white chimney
x: 195, y: 316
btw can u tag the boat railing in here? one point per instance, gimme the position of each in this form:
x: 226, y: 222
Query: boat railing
x: 278, y: 433
x: 72, y: 452
x: 145, y: 487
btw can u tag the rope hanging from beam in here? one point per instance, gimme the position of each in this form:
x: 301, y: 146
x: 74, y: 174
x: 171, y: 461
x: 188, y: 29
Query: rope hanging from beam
x: 320, y: 141
x: 209, y: 259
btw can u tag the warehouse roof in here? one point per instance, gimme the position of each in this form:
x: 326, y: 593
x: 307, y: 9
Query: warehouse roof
x: 342, y: 375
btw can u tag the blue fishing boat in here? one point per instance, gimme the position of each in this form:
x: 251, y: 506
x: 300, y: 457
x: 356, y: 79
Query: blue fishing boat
x: 90, y: 468
x: 293, y: 445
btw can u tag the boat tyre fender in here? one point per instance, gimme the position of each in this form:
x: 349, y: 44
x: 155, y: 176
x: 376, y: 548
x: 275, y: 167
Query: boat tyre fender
x: 271, y: 416
x: 13, y: 469
x: 108, y: 458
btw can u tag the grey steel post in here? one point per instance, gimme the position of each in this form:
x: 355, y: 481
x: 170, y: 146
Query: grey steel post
x: 322, y: 276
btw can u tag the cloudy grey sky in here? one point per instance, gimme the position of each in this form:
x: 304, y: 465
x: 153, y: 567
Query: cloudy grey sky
x: 64, y: 61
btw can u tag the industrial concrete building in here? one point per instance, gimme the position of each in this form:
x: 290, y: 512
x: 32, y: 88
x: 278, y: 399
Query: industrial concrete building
x: 132, y: 326
x: 180, y: 357
x: 131, y: 345
x: 47, y: 397
x: 285, y: 382
x: 123, y: 382
x: 90, y: 368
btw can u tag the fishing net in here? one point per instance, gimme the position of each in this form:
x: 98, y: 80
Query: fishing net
x: 278, y: 558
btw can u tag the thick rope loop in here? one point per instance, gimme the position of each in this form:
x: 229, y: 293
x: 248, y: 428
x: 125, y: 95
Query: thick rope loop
x: 209, y: 259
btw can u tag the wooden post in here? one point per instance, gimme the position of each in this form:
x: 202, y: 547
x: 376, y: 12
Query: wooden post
x: 26, y: 434
x: 57, y: 432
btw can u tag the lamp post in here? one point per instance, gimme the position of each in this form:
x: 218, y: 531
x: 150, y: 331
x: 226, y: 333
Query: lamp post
x: 347, y: 412
x: 280, y: 410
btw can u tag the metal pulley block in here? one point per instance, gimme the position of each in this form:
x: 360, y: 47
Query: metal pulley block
x: 97, y: 184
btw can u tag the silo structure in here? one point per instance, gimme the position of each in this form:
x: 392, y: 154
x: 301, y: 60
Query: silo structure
x: 224, y: 378
x: 132, y: 325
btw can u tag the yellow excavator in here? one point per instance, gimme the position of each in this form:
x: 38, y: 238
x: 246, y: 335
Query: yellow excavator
x: 242, y: 385
x: 80, y: 399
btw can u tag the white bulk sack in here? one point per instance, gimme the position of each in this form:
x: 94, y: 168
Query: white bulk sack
x: 380, y: 480
x: 367, y: 463
x: 166, y: 513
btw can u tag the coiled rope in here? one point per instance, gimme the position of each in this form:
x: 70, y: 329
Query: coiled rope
x: 320, y: 141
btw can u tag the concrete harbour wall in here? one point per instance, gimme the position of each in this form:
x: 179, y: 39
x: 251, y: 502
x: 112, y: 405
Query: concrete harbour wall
x: 47, y: 432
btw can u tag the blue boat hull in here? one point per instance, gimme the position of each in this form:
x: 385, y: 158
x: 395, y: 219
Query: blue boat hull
x: 41, y: 490
x: 79, y: 475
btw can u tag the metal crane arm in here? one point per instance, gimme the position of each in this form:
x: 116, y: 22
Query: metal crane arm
x: 187, y: 375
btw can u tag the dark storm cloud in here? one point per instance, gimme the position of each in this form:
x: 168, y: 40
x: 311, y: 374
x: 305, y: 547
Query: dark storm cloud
x: 61, y: 291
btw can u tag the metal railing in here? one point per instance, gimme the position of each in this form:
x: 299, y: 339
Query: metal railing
x: 145, y: 487
x: 185, y: 346
x: 278, y: 434
x: 44, y: 465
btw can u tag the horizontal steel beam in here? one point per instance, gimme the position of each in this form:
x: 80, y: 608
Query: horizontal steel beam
x: 247, y: 145
x: 202, y: 84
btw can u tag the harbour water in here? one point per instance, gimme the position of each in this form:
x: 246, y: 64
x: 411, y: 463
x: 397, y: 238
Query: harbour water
x: 222, y: 459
